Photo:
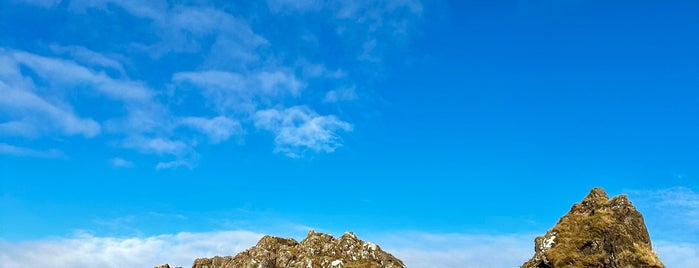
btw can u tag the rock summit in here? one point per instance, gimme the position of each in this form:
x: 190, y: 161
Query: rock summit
x: 597, y: 232
x: 316, y: 250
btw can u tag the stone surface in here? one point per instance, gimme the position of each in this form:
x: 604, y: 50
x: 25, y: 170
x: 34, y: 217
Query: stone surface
x: 316, y: 250
x: 598, y: 232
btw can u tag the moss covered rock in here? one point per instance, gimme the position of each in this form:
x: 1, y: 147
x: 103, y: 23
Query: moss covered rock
x: 598, y: 232
x: 316, y: 250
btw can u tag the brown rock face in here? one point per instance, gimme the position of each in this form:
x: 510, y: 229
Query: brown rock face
x: 598, y: 232
x: 316, y: 250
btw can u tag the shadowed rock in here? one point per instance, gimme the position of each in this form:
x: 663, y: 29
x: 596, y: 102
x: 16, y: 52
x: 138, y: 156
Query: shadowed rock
x: 598, y: 232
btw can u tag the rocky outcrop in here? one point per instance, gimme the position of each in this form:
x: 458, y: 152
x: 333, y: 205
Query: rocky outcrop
x: 316, y: 250
x: 598, y: 232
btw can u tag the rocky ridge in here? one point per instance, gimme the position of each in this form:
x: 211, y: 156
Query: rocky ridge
x: 316, y: 250
x: 598, y: 232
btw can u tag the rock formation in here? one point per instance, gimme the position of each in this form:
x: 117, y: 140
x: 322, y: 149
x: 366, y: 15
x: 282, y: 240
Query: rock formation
x: 598, y: 232
x: 316, y: 250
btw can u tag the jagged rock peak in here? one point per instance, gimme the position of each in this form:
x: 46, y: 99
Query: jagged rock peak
x: 316, y: 250
x: 597, y: 232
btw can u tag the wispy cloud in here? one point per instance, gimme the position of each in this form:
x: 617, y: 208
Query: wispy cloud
x: 7, y: 149
x: 121, y: 163
x: 85, y: 250
x: 174, y: 164
x: 231, y: 75
x: 218, y: 129
x: 89, y: 58
x: 237, y: 92
x: 33, y: 116
x: 670, y: 215
x: 159, y: 146
x: 299, y: 129
x: 68, y: 73
x: 343, y: 94
x: 680, y: 197
x: 677, y: 202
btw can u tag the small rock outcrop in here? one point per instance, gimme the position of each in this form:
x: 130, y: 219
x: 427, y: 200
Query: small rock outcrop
x: 598, y: 232
x: 316, y: 250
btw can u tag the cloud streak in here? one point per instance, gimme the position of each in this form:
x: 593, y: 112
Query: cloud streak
x: 30, y: 114
x: 68, y: 73
x: 7, y: 149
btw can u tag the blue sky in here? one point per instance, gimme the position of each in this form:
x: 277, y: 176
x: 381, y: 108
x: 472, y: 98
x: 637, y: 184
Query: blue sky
x: 477, y: 122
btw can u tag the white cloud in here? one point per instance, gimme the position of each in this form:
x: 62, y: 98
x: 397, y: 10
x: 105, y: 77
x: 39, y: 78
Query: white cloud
x: 678, y: 203
x: 33, y: 115
x: 8, y: 149
x: 317, y: 70
x: 299, y: 129
x: 89, y: 57
x: 156, y: 145
x: 680, y: 197
x: 278, y: 81
x: 121, y: 163
x: 343, y: 94
x: 218, y: 129
x: 85, y: 250
x: 68, y: 73
x: 27, y: 113
x: 226, y: 91
x: 174, y: 164
x: 237, y: 92
x: 677, y: 254
x: 213, y: 80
